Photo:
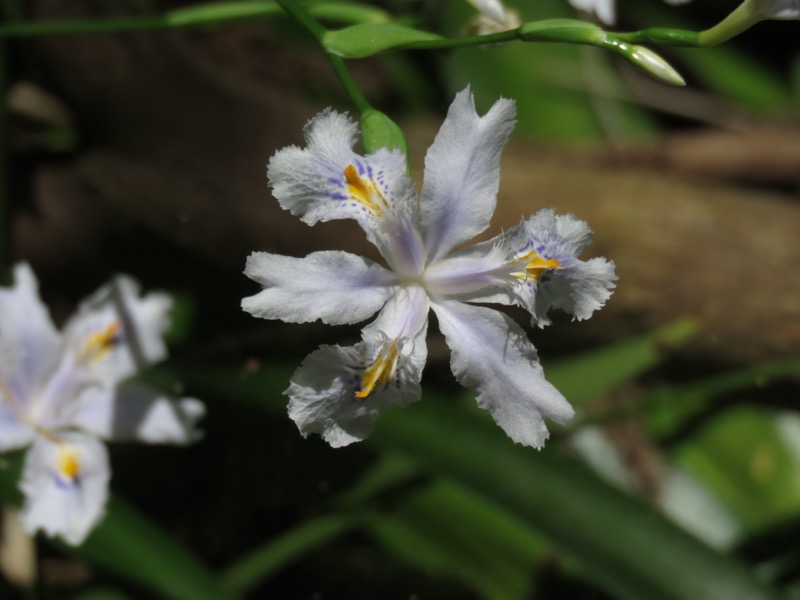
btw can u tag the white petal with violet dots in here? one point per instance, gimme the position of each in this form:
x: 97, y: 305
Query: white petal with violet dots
x: 340, y: 392
x: 550, y: 274
x: 336, y: 287
x: 328, y: 181
x: 493, y: 357
x: 65, y: 485
x: 462, y: 173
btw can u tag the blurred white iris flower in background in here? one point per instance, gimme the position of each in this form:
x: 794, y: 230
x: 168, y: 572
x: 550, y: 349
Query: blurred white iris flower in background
x: 62, y: 393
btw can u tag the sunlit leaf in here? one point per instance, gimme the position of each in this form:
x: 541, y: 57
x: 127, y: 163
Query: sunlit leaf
x: 750, y: 458
x: 364, y: 40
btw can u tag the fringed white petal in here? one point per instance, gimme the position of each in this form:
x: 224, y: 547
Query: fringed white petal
x: 492, y: 356
x: 336, y: 287
x: 576, y: 286
x: 462, y: 173
x: 340, y: 392
x: 327, y: 180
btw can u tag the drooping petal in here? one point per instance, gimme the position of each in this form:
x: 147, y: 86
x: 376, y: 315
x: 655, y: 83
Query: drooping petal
x: 462, y: 173
x: 65, y: 483
x: 336, y: 287
x: 134, y: 412
x: 492, y: 356
x: 549, y: 274
x: 327, y: 180
x: 29, y: 343
x: 339, y: 392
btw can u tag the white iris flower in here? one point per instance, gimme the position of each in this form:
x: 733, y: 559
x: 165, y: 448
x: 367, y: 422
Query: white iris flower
x: 338, y: 392
x: 61, y: 393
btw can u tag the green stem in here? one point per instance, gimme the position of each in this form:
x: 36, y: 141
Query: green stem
x: 302, y: 17
x: 348, y: 83
x: 660, y: 35
x: 318, y: 31
x: 741, y: 19
x: 197, y: 16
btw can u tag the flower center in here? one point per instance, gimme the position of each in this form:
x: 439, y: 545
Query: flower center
x: 69, y: 462
x: 381, y: 371
x: 99, y: 344
x: 535, y: 266
x: 364, y: 192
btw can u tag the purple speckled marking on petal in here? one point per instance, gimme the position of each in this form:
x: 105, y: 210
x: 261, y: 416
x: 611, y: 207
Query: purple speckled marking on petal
x: 66, y: 484
x: 336, y: 196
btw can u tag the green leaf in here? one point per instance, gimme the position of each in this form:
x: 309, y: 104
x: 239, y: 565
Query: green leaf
x: 622, y: 544
x: 619, y: 542
x: 262, y: 563
x: 750, y: 459
x: 669, y: 406
x: 360, y: 41
x: 596, y: 373
x: 101, y: 594
x: 130, y: 545
x: 448, y: 530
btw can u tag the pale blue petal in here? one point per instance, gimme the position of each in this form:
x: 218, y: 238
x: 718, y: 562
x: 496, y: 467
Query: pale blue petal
x: 462, y: 173
x: 492, y: 356
x: 336, y: 287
